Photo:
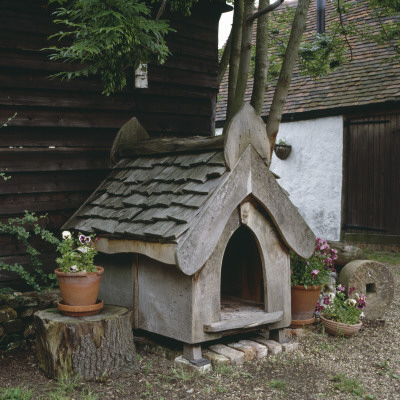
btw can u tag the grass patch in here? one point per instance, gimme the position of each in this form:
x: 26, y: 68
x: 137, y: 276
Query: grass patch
x: 347, y: 385
x: 17, y: 393
x: 386, y: 369
x: 222, y: 369
x: 386, y: 257
x: 63, y: 391
x: 180, y: 374
x: 278, y: 384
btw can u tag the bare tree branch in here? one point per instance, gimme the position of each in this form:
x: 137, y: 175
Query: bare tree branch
x: 266, y: 10
x: 261, y: 60
x: 285, y: 76
x: 234, y: 59
x: 161, y: 10
x: 245, y: 54
x: 344, y: 30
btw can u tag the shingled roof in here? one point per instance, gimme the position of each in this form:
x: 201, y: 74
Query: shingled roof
x: 372, y: 76
x: 152, y: 197
x: 171, y: 198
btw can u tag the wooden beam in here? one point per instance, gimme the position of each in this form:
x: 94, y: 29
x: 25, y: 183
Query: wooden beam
x: 244, y: 321
x: 171, y: 145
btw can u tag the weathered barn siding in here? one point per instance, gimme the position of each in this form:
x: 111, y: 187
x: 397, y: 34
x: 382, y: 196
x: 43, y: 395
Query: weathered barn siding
x: 56, y: 150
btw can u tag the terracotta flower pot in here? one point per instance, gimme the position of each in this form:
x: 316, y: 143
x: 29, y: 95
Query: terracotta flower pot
x: 303, y: 304
x: 79, y: 288
x: 338, y: 328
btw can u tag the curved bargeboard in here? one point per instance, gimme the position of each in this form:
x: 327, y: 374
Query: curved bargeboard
x: 250, y: 176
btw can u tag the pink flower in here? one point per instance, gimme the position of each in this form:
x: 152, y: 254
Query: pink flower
x: 351, y: 290
x: 341, y: 288
x: 319, y: 307
x: 314, y: 273
x: 326, y: 300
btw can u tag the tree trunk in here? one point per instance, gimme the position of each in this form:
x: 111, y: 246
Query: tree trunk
x: 224, y: 62
x: 245, y: 54
x: 285, y: 76
x: 234, y: 60
x: 261, y: 61
x: 93, y: 347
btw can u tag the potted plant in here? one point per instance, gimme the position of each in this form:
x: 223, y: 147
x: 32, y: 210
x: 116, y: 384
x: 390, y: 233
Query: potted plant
x: 340, y: 314
x: 308, y: 276
x: 282, y: 149
x: 78, y: 277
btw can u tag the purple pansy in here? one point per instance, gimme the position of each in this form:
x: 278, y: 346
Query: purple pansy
x: 84, y: 239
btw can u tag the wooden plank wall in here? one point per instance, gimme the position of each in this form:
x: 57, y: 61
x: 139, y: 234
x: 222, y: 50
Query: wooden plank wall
x: 373, y: 173
x: 56, y: 150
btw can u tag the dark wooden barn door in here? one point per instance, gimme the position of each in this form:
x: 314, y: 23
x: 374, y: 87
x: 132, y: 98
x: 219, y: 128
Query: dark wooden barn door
x: 373, y: 175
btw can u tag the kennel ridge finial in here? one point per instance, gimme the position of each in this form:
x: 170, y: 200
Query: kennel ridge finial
x: 245, y: 128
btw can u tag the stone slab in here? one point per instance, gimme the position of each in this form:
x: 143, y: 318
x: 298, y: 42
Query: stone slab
x: 261, y: 350
x: 188, y: 366
x: 248, y: 351
x: 289, y: 347
x: 215, y: 358
x: 235, y: 356
x: 273, y: 347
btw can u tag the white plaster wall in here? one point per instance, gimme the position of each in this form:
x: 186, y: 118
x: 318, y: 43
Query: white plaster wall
x: 312, y: 174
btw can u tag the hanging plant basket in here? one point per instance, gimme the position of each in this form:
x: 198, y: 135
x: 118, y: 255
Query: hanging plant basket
x: 282, y: 151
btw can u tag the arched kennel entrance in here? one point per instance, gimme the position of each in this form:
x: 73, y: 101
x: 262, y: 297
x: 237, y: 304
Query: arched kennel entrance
x: 242, y: 278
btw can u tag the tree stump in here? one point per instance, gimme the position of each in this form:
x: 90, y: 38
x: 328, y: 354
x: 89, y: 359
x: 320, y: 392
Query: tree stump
x: 374, y: 280
x: 94, y: 347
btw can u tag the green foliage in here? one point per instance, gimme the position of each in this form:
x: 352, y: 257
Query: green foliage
x: 110, y: 36
x: 182, y: 6
x: 4, y: 124
x: 17, y: 393
x: 278, y: 384
x: 318, y: 55
x: 282, y: 142
x: 386, y: 257
x: 386, y: 369
x: 322, y: 55
x: 316, y: 270
x: 180, y: 374
x: 23, y: 229
x: 347, y: 385
x: 344, y: 310
x: 76, y: 254
x: 386, y: 15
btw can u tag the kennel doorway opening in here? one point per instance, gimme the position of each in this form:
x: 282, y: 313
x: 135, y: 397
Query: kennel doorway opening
x: 242, y: 280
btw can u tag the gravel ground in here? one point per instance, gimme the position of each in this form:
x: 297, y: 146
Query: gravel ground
x: 365, y: 366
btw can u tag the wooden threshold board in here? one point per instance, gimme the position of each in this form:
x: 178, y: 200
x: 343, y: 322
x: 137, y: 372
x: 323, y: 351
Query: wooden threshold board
x: 237, y: 314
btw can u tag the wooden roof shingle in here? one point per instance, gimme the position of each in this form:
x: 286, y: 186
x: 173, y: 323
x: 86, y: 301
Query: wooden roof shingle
x: 151, y: 197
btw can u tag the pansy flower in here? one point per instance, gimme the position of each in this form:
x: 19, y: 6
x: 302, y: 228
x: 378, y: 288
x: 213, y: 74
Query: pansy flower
x: 314, y: 273
x: 84, y: 239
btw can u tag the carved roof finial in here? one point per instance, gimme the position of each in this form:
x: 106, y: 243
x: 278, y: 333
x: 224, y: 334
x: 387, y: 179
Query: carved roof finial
x: 245, y: 128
